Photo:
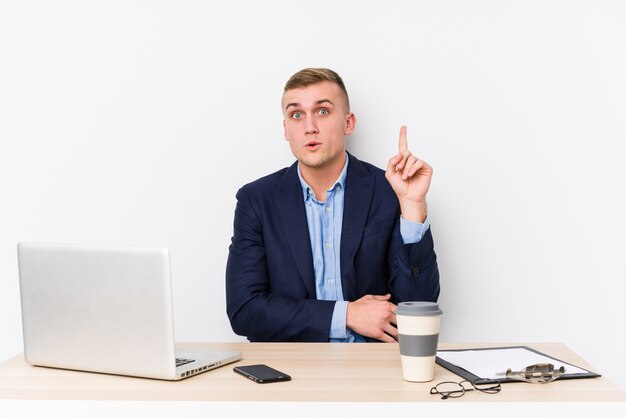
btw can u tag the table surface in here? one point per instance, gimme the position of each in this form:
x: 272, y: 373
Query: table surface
x: 321, y: 372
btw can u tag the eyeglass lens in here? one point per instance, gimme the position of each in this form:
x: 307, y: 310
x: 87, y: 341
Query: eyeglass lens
x: 458, y: 389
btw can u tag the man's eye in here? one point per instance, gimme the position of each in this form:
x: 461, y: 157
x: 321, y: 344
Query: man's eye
x: 323, y: 111
x: 296, y: 115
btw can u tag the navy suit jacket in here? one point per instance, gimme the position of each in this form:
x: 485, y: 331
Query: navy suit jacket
x: 270, y: 282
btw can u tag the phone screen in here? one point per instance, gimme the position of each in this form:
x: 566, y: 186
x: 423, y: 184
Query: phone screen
x: 261, y: 373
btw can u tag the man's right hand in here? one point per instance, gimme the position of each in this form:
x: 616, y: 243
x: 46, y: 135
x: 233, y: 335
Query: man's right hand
x: 373, y: 316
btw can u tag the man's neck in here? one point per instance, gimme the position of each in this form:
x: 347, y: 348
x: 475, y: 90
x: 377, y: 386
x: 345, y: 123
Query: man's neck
x: 321, y: 179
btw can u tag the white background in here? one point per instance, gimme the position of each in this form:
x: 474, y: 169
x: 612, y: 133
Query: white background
x: 134, y: 123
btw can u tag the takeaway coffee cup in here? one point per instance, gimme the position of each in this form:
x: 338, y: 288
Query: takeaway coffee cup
x: 418, y: 329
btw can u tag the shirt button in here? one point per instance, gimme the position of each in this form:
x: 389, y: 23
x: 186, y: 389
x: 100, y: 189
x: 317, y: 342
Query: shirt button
x: 327, y: 245
x: 330, y: 281
x: 328, y: 209
x: 416, y: 272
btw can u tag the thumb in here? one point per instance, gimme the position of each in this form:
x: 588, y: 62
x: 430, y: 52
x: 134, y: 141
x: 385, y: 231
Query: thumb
x: 393, y: 162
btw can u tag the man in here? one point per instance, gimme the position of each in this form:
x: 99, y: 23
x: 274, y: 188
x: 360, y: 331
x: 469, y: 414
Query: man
x: 322, y: 250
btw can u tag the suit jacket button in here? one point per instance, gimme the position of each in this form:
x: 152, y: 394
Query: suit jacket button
x: 416, y: 272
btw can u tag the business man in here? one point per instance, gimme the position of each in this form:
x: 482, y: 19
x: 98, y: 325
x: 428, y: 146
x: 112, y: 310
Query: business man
x: 322, y: 250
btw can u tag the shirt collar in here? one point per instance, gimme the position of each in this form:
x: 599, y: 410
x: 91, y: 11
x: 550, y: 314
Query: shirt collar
x: 341, y: 181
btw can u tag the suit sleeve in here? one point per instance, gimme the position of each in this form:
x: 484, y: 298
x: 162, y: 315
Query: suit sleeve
x: 414, y: 274
x: 254, y: 309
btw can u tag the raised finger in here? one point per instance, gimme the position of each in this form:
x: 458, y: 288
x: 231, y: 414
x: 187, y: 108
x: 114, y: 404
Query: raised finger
x: 402, y: 143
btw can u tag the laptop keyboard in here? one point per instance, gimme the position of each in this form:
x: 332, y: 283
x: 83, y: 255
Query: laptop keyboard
x: 183, y: 361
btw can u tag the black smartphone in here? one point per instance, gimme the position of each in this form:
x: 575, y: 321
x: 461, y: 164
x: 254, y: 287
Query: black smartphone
x: 261, y: 373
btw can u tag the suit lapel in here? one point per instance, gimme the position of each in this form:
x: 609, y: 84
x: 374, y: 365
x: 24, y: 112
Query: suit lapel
x: 357, y: 200
x: 289, y: 206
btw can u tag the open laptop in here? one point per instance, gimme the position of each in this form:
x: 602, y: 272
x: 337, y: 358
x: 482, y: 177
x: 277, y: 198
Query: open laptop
x: 106, y: 310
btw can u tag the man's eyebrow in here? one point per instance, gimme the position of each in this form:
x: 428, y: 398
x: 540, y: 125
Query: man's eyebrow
x: 325, y: 101
x: 321, y: 101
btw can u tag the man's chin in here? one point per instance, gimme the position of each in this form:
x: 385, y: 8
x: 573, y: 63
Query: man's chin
x: 319, y: 162
x: 310, y: 158
x: 314, y: 163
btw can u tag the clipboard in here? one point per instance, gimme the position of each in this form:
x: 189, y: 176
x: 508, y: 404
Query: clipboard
x: 467, y: 370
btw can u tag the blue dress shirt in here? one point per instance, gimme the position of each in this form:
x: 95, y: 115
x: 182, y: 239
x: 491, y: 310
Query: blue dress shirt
x: 324, y: 221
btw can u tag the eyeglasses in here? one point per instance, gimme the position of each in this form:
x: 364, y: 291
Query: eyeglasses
x: 458, y: 389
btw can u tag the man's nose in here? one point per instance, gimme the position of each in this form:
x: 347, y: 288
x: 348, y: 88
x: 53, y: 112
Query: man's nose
x: 311, y: 126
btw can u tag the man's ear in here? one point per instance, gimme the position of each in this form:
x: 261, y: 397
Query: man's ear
x: 350, y: 123
x: 285, y: 130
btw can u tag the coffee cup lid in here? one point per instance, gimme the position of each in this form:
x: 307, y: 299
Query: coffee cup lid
x: 419, y: 308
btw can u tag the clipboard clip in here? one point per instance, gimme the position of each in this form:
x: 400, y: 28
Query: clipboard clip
x: 537, y: 373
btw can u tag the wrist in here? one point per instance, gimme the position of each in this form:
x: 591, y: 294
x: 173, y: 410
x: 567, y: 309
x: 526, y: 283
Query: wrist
x: 348, y: 316
x: 414, y: 211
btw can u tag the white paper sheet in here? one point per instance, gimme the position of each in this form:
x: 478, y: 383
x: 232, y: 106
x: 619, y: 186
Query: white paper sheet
x: 492, y: 364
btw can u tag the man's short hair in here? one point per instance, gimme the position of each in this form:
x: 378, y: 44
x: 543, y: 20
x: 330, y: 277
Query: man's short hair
x: 309, y: 76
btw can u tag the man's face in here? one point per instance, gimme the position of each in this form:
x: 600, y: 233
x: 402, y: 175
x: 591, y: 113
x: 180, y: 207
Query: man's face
x: 316, y: 123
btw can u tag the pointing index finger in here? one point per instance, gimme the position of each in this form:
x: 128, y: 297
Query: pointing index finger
x: 402, y: 143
